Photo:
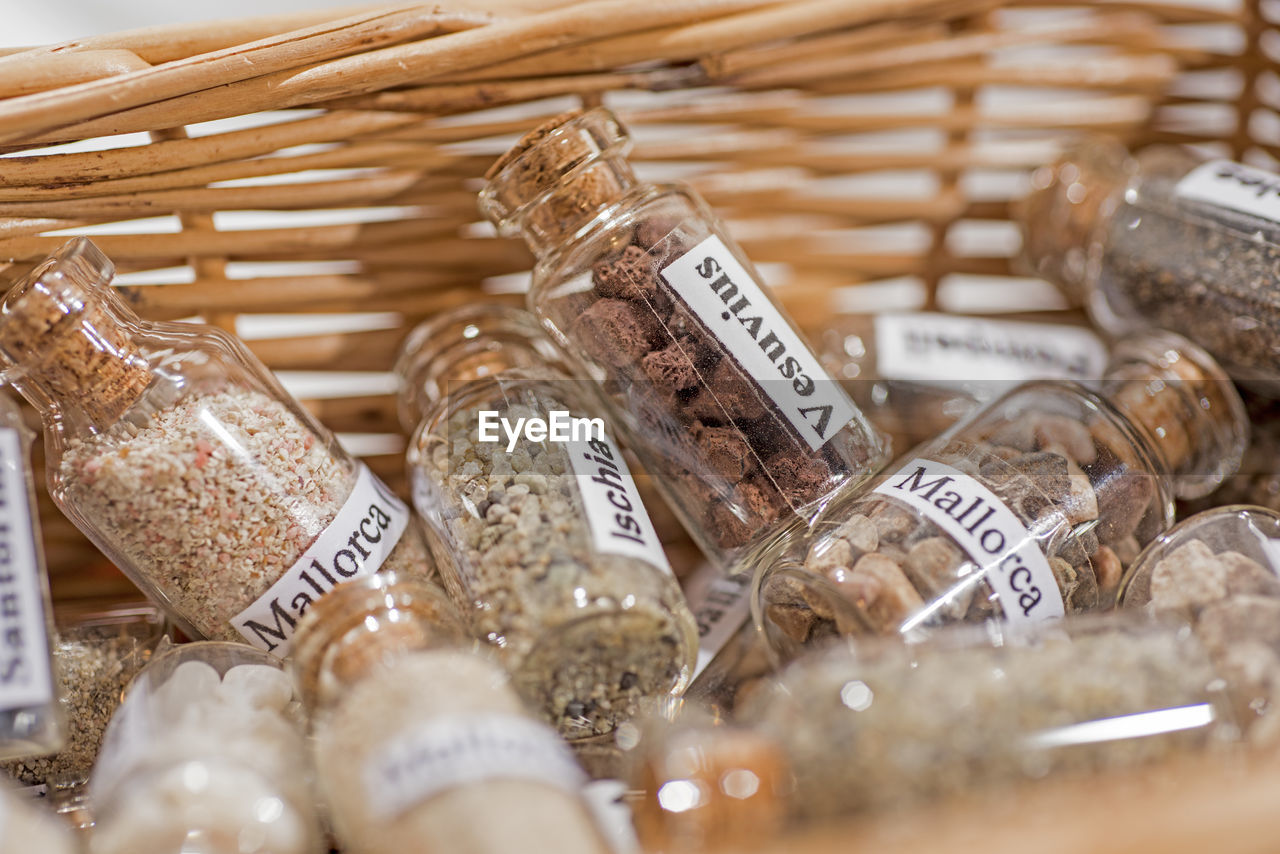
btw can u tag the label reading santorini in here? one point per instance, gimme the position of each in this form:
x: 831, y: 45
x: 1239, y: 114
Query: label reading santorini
x: 26, y: 680
x: 448, y: 752
x: 720, y: 606
x: 618, y: 521
x: 942, y: 349
x: 1233, y: 186
x: 355, y: 544
x: 724, y: 296
x: 987, y: 530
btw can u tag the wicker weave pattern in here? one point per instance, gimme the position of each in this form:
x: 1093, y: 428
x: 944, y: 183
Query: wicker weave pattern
x: 385, y: 117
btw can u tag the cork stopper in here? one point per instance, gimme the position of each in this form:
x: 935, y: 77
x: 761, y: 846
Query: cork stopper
x: 559, y: 177
x: 1184, y: 403
x: 66, y: 332
x: 366, y: 624
x: 1068, y: 200
x: 720, y: 788
x: 463, y: 345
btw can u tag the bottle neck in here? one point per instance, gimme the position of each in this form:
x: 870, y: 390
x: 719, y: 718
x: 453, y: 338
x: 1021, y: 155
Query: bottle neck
x: 1183, y: 405
x: 473, y: 343
x: 366, y: 625
x: 1068, y: 201
x: 66, y: 338
x: 560, y: 179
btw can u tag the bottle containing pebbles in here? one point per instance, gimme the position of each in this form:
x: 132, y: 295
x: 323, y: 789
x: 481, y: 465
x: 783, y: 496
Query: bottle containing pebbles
x: 31, y: 717
x: 1221, y: 570
x: 916, y: 373
x: 101, y: 645
x: 1025, y: 512
x: 543, y: 539
x: 206, y: 754
x: 877, y: 725
x: 179, y: 455
x: 1167, y: 239
x: 722, y: 401
x: 419, y: 741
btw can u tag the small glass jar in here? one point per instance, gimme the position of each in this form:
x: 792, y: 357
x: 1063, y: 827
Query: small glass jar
x: 180, y: 456
x: 542, y: 538
x: 916, y: 373
x: 1164, y: 239
x: 1027, y: 511
x: 206, y: 754
x: 27, y: 827
x: 419, y: 741
x: 1221, y: 570
x: 31, y: 718
x: 709, y: 382
x: 875, y: 725
x: 101, y: 645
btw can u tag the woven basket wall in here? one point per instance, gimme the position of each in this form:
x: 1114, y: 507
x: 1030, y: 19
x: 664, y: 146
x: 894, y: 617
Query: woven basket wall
x: 324, y: 166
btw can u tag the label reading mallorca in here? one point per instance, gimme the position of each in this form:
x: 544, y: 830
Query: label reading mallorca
x: 728, y: 301
x: 25, y: 677
x: 355, y: 544
x: 453, y: 751
x: 720, y: 606
x: 615, y: 514
x: 987, y: 530
x: 1233, y: 186
x: 941, y: 349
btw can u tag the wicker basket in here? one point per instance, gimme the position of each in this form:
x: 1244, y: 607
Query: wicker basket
x: 324, y: 166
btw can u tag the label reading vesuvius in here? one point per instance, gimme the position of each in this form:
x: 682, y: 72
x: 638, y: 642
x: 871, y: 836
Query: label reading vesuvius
x: 618, y: 521
x: 942, y: 349
x: 447, y: 752
x: 25, y: 677
x: 728, y: 301
x: 1233, y: 186
x: 355, y: 543
x: 1008, y: 557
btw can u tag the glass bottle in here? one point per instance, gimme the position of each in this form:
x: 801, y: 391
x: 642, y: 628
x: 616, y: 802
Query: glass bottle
x: 875, y: 725
x: 419, y: 741
x: 29, y: 827
x: 543, y: 539
x: 31, y: 718
x: 916, y: 373
x: 1221, y: 569
x: 1026, y: 511
x: 709, y: 382
x: 1164, y: 239
x: 180, y: 456
x: 100, y: 647
x: 206, y: 756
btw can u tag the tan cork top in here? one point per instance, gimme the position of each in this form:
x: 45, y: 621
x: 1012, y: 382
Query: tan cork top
x: 57, y: 326
x: 560, y: 174
x: 346, y: 634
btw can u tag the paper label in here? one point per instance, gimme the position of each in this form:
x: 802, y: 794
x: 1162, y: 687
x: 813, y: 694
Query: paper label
x: 1233, y: 186
x: 942, y: 349
x: 355, y: 544
x: 720, y: 606
x: 989, y: 533
x: 615, y: 514
x: 26, y: 680
x: 454, y: 751
x: 730, y: 303
x: 607, y: 800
